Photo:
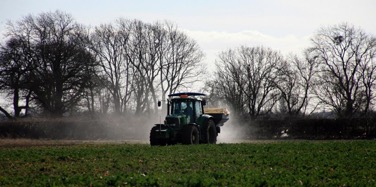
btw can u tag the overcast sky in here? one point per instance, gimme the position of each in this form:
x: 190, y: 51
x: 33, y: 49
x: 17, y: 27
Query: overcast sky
x: 217, y: 25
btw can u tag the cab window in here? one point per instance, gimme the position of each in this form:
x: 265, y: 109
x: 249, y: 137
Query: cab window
x: 198, y: 109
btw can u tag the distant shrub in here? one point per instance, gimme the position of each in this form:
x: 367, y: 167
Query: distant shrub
x: 345, y: 128
x: 117, y: 128
x: 71, y: 128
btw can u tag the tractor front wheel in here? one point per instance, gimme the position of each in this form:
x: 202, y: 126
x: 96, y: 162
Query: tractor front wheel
x: 155, y: 139
x: 190, y: 135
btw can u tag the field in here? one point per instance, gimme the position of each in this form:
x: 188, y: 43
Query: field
x: 276, y: 163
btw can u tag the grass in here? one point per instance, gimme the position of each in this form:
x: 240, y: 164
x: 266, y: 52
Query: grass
x: 286, y: 163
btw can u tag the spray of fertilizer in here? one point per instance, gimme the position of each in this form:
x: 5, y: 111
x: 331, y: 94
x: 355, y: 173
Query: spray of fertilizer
x: 233, y: 131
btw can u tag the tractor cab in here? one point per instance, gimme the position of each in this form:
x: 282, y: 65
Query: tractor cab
x: 188, y: 108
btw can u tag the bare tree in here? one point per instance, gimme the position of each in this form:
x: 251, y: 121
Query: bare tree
x: 96, y: 99
x: 136, y: 55
x: 109, y: 44
x: 154, y: 35
x: 250, y: 73
x: 179, y: 62
x: 346, y: 57
x: 14, y: 67
x: 225, y: 88
x: 163, y: 59
x: 294, y: 81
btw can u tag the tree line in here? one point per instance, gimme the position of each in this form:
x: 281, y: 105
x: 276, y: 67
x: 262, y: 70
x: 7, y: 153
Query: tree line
x: 54, y: 65
x: 336, y: 73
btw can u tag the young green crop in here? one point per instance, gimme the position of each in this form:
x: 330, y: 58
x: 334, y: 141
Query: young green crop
x: 286, y: 163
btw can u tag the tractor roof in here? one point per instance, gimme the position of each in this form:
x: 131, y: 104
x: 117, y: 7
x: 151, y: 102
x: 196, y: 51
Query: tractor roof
x: 187, y: 93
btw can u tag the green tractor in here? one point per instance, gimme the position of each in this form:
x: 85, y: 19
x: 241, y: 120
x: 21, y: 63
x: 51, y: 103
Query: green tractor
x: 187, y: 121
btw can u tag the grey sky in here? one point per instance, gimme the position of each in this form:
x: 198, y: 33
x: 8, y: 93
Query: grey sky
x: 217, y: 25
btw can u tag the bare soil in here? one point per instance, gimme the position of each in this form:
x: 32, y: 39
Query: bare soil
x: 6, y: 143
x: 42, y: 142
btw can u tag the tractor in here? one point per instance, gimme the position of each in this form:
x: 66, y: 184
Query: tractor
x: 187, y: 121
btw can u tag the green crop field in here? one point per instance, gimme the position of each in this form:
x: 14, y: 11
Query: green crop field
x: 284, y: 163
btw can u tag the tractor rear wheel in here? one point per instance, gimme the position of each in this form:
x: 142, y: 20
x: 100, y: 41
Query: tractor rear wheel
x: 190, y: 135
x: 209, y: 133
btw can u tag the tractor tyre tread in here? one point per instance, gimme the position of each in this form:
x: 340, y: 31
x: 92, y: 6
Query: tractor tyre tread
x: 209, y: 133
x: 190, y: 135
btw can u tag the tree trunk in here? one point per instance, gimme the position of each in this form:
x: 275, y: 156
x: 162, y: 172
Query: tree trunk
x: 16, y: 97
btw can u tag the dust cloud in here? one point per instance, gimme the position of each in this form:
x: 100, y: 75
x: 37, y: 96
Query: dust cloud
x: 130, y: 127
x: 233, y: 131
x: 138, y: 128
